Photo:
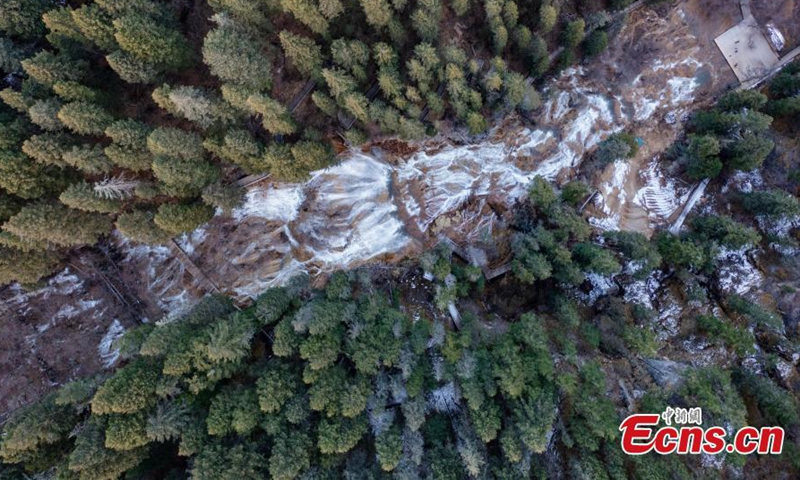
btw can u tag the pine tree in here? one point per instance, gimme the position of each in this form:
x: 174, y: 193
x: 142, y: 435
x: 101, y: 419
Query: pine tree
x: 70, y: 91
x: 183, y: 217
x: 95, y: 24
x: 290, y: 455
x: 81, y: 196
x: 702, y: 152
x: 236, y: 56
x: 340, y: 435
x: 131, y: 68
x: 23, y: 17
x: 47, y: 148
x: 58, y: 225
x: 378, y: 12
x: 352, y: 55
x: 88, y: 158
x: 574, y: 33
x: 238, y: 147
x: 10, y: 56
x: 130, y: 390
x: 25, y: 179
x: 85, y: 118
x: 168, y: 141
x: 150, y: 40
x: 139, y: 226
x: 44, y: 113
x: 216, y: 461
x: 389, y: 448
x: 224, y: 197
x: 304, y: 53
x: 48, y: 68
x: 548, y: 16
x: 91, y: 459
x: 26, y: 267
x: 274, y: 116
x: 126, y: 432
x: 339, y: 82
x: 308, y: 13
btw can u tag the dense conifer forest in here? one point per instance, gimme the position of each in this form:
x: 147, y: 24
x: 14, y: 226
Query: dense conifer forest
x: 139, y: 116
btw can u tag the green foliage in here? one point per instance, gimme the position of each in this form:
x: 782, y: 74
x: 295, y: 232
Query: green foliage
x: 150, y: 40
x: 389, y: 448
x: 81, y: 196
x: 307, y: 12
x: 85, y: 118
x: 617, y: 146
x: 182, y: 217
x: 777, y: 406
x: 224, y: 197
x: 740, y: 340
x: 574, y: 33
x: 771, y: 203
x: 548, y: 16
x: 304, y: 53
x: 703, y: 151
x: 130, y: 390
x: 139, y: 226
x: 58, y: 225
x: 44, y: 113
x: 637, y: 248
x: 220, y: 462
x: 678, y: 252
x: 724, y: 230
x: 29, y: 180
x: 234, y: 55
x: 48, y: 68
x: 95, y: 24
x: 596, y: 43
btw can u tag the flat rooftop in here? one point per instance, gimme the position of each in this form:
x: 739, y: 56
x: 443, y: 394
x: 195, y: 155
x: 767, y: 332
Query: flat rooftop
x: 747, y: 50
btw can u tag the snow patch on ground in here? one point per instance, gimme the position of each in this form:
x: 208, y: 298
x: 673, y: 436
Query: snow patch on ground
x: 273, y: 202
x: 659, y: 195
x: 109, y: 354
x: 735, y: 273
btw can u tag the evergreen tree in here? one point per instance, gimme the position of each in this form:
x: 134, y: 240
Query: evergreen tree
x: 23, y: 17
x: 85, y: 118
x: 772, y: 203
x: 274, y: 116
x: 130, y: 390
x: 139, y: 226
x: 95, y: 24
x: 308, y: 13
x: 25, y: 267
x: 25, y: 179
x: 88, y: 158
x: 58, y: 225
x: 44, y: 113
x: 184, y: 217
x: 150, y: 40
x: 290, y: 455
x: 234, y: 55
x: 703, y: 160
x: 548, y: 16
x: 131, y: 68
x: 217, y: 461
x: 81, y: 196
x: 574, y: 33
x: 304, y: 53
x: 224, y: 197
x: 378, y: 12
x: 48, y: 68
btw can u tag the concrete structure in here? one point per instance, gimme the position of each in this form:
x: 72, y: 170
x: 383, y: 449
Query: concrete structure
x: 747, y: 50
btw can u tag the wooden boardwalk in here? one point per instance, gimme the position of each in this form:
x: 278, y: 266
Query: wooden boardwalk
x: 201, y: 278
x: 476, y: 257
